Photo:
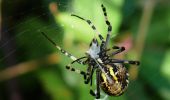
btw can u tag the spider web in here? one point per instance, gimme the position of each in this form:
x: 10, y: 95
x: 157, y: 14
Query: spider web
x: 20, y: 38
x: 24, y: 33
x: 22, y: 25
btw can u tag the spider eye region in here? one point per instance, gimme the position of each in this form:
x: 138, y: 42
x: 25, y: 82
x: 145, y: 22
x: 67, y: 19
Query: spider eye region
x: 94, y: 50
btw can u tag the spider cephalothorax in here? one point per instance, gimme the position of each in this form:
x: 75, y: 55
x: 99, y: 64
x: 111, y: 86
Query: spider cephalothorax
x: 111, y: 74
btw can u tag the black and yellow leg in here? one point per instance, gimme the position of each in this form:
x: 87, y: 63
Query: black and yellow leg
x: 108, y: 24
x: 61, y: 50
x: 92, y: 26
x: 90, y: 71
x: 97, y: 94
x: 69, y: 67
x: 117, y: 47
x: 98, y: 83
x: 79, y: 60
x: 125, y: 62
x: 120, y: 49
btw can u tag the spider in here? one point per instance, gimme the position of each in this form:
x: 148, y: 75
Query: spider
x: 111, y: 74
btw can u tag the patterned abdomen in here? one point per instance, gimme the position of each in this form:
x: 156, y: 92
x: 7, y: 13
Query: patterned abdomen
x: 119, y: 75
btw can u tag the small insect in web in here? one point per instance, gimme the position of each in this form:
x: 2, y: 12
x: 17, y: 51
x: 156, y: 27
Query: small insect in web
x: 111, y: 74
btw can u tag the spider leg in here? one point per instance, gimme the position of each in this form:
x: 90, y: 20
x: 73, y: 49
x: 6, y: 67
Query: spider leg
x: 108, y: 24
x: 120, y: 49
x: 92, y: 26
x: 124, y: 61
x: 116, y: 47
x: 79, y: 61
x: 98, y: 84
x: 90, y: 71
x: 97, y: 94
x: 61, y: 50
x: 69, y: 67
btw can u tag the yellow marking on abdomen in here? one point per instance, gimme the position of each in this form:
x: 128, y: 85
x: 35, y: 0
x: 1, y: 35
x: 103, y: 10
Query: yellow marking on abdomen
x: 112, y: 73
x: 104, y: 77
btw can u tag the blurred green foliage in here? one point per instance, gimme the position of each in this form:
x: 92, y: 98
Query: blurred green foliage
x: 25, y: 20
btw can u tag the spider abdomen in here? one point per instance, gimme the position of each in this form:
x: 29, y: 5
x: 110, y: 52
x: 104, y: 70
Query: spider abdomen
x: 119, y: 76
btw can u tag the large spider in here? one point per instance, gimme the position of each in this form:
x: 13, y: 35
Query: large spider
x: 111, y: 74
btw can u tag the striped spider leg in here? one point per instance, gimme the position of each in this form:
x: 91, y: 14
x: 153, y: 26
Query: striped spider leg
x: 108, y: 24
x: 69, y: 67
